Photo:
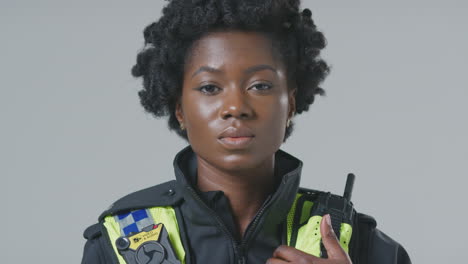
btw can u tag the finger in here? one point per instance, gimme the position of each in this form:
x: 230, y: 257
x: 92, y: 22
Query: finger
x: 330, y: 241
x: 291, y: 254
x: 276, y: 261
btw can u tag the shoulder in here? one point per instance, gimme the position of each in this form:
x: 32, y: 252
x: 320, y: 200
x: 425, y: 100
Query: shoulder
x: 383, y: 245
x: 368, y: 243
x: 164, y: 194
x: 376, y: 246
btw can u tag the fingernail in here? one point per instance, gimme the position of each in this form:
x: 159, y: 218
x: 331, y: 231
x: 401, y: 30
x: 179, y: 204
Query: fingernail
x: 328, y: 219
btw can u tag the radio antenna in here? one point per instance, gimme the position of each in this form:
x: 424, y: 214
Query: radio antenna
x: 349, y: 186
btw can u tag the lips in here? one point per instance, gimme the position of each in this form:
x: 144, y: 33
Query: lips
x: 236, y: 137
x: 236, y: 132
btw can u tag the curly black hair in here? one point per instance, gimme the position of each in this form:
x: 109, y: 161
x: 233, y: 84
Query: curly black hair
x: 168, y: 42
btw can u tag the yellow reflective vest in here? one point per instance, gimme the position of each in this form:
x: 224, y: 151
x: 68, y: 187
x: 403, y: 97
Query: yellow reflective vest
x: 290, y: 216
x: 299, y: 221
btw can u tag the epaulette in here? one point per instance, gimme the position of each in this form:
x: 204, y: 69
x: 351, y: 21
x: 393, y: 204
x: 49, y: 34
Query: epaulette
x: 164, y: 194
x: 367, y: 220
x: 364, y: 226
x: 92, y: 231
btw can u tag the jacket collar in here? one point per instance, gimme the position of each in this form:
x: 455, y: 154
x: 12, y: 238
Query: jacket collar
x: 287, y: 167
x: 173, y: 192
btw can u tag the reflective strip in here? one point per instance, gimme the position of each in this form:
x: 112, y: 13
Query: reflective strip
x: 165, y: 215
x: 308, y: 238
x: 346, y: 230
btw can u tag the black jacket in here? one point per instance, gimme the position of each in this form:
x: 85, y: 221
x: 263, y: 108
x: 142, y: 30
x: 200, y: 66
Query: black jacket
x: 206, y: 224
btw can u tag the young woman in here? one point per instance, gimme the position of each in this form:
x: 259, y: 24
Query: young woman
x: 231, y: 75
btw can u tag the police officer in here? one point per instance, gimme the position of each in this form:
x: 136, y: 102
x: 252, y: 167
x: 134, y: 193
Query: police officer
x: 231, y: 75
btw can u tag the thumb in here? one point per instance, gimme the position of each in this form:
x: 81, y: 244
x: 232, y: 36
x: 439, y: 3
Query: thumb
x: 330, y: 241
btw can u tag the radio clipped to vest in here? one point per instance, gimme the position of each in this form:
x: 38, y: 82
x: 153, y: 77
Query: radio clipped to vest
x: 341, y: 209
x: 303, y: 224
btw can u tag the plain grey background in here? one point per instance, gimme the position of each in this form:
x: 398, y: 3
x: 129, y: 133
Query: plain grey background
x: 74, y: 137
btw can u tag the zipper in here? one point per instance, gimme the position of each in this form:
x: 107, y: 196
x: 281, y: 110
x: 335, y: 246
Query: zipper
x: 239, y: 249
x: 240, y: 257
x: 266, y: 204
x: 251, y: 229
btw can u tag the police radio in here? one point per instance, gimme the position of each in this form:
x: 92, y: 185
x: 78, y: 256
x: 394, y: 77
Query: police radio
x: 340, y: 209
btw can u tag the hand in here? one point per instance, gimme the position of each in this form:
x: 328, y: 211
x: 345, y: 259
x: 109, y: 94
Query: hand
x: 336, y: 254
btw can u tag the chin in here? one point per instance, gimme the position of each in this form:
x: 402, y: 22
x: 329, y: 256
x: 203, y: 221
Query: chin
x: 238, y: 162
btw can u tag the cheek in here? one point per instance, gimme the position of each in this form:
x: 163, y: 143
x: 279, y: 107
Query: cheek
x: 277, y: 110
x: 200, y: 115
x: 275, y: 114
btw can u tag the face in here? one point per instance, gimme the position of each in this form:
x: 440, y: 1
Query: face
x: 235, y: 101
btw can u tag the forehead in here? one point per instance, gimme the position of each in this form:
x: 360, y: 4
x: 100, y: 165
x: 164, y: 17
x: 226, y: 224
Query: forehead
x: 235, y: 48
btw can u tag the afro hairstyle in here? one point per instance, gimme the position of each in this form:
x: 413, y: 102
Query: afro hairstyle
x: 167, y: 41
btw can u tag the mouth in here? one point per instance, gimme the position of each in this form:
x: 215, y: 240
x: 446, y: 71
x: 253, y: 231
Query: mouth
x: 236, y: 142
x: 236, y: 138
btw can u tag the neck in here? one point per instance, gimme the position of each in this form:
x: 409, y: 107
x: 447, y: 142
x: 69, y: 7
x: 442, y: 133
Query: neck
x: 246, y: 189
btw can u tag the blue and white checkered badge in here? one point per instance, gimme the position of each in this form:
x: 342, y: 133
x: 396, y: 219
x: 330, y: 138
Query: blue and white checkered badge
x: 134, y: 221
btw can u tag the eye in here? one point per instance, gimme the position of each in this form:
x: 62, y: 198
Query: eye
x: 261, y: 86
x: 209, y: 89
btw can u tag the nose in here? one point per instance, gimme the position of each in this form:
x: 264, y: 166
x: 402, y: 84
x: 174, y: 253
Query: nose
x: 236, y: 104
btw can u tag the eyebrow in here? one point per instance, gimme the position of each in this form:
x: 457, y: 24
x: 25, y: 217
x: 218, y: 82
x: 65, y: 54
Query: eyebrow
x: 260, y: 67
x: 249, y: 70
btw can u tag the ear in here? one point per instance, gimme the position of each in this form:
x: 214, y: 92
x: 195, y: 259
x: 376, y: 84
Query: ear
x: 292, y: 102
x: 179, y: 114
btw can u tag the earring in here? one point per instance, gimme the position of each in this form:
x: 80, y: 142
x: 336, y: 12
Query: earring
x: 182, y: 127
x: 288, y: 123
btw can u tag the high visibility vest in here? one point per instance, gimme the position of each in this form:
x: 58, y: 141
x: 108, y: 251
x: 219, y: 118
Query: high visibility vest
x: 303, y: 229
